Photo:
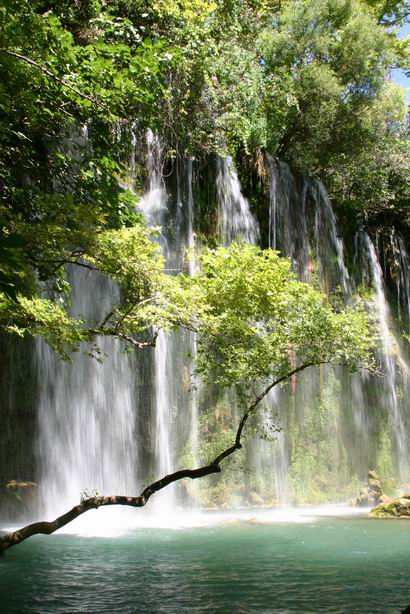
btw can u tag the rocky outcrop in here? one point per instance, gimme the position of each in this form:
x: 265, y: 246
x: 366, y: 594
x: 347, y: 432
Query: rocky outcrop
x: 372, y: 494
x: 396, y: 508
x: 17, y: 499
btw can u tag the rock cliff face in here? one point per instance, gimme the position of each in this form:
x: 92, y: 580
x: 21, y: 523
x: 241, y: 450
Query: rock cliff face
x: 18, y: 393
x: 18, y: 426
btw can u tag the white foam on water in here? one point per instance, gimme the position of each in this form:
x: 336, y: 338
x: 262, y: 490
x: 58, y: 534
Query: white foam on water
x: 108, y: 522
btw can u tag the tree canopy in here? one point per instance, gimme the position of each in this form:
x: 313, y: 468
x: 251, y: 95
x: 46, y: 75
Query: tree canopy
x: 81, y: 81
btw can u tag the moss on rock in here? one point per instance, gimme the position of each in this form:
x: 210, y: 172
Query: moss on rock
x: 397, y: 508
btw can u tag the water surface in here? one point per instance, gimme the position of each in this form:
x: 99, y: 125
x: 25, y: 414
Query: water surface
x: 319, y: 564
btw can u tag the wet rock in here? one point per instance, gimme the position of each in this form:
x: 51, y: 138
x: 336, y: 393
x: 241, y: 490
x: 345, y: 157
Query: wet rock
x: 17, y: 498
x: 396, y: 508
x: 372, y: 493
x: 253, y: 521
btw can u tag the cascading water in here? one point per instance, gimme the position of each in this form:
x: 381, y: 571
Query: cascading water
x: 403, y: 283
x: 86, y: 410
x: 235, y: 220
x: 332, y: 270
x: 401, y: 279
x: 272, y: 202
x: 154, y: 207
x: 303, y: 226
x: 389, y: 353
x: 194, y: 435
x: 288, y: 218
x: 176, y: 400
x: 333, y: 427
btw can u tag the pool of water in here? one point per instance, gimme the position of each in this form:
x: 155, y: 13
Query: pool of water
x: 316, y: 564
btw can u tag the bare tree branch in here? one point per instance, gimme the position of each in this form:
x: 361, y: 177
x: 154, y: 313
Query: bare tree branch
x: 135, y: 342
x: 46, y: 528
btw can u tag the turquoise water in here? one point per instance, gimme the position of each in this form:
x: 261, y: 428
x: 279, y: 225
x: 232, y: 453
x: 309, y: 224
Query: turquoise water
x: 325, y: 565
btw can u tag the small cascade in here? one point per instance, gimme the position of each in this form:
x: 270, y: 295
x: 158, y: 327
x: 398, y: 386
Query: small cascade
x: 400, y: 273
x: 403, y: 283
x: 389, y: 354
x: 176, y: 396
x: 271, y: 457
x: 191, y: 235
x: 194, y: 435
x: 162, y: 401
x: 154, y: 207
x: 86, y: 409
x: 154, y: 202
x: 235, y: 220
x: 272, y: 202
x: 288, y: 222
x: 332, y: 269
x: 302, y: 226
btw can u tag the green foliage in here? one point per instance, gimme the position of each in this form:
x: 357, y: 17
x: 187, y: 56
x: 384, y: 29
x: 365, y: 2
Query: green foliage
x: 70, y: 74
x: 374, y: 179
x: 334, y: 59
x: 95, y: 69
x: 315, y: 90
x: 38, y: 316
x: 253, y: 316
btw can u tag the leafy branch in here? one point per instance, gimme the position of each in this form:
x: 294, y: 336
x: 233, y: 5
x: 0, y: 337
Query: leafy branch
x: 52, y: 75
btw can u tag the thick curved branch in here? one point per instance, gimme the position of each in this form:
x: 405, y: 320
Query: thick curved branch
x: 46, y: 528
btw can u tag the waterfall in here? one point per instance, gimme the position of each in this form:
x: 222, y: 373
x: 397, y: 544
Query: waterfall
x: 302, y: 226
x: 330, y: 251
x: 132, y: 418
x: 86, y: 409
x: 288, y: 218
x: 235, y: 220
x: 356, y: 410
x: 176, y: 397
x: 403, y: 282
x: 194, y: 435
x: 389, y: 353
x: 154, y: 207
x: 401, y: 277
x: 271, y: 457
x: 272, y: 202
